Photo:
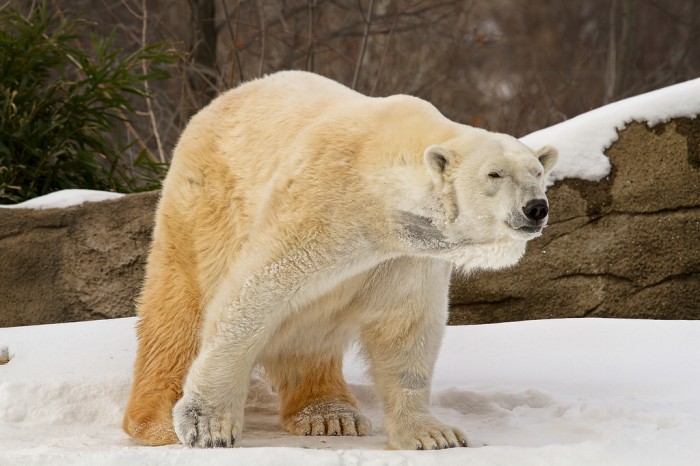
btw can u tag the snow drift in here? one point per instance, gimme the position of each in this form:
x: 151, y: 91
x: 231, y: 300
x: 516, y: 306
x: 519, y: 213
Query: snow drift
x: 543, y: 392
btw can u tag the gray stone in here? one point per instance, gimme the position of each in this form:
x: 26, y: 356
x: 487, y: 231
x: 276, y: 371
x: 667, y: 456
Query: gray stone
x: 627, y: 246
x: 77, y: 263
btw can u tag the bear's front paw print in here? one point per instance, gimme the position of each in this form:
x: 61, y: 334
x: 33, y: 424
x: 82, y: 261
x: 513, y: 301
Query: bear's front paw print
x: 197, y: 424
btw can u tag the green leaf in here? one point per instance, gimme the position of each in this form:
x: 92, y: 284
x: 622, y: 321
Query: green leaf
x: 62, y: 106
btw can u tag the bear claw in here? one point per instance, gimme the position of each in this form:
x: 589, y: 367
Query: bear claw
x: 329, y: 418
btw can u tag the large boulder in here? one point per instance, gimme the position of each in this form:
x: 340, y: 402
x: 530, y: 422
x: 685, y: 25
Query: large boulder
x: 76, y: 263
x: 627, y: 246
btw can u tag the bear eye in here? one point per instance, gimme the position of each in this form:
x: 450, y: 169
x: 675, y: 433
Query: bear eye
x: 494, y: 175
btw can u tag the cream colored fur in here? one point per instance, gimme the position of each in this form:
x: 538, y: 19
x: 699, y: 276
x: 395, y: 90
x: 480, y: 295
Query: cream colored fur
x: 299, y: 215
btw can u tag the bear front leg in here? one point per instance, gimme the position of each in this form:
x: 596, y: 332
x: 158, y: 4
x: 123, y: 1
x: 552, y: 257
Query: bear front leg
x: 402, y: 376
x: 210, y: 412
x: 410, y: 299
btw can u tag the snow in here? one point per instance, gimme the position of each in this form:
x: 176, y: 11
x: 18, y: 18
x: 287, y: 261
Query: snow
x: 582, y: 140
x: 64, y: 198
x: 566, y: 392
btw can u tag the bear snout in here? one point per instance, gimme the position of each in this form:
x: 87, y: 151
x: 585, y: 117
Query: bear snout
x: 536, y: 209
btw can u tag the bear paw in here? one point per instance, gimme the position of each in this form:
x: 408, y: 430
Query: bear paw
x: 197, y: 424
x: 427, y: 437
x: 329, y: 418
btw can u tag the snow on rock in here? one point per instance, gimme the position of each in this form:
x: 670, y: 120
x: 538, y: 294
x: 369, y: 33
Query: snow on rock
x: 582, y: 140
x: 64, y: 198
x: 575, y: 392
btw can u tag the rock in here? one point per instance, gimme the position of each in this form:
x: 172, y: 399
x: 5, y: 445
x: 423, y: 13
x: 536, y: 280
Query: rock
x: 627, y: 246
x: 77, y: 263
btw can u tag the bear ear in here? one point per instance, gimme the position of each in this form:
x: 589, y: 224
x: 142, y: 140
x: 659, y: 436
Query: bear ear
x: 436, y: 159
x: 548, y: 157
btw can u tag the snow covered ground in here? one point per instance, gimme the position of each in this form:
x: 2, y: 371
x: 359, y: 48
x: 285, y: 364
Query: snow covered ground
x: 560, y: 392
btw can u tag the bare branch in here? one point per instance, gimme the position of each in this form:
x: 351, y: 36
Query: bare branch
x: 233, y: 32
x: 312, y: 40
x: 147, y: 93
x: 625, y: 46
x: 363, y: 47
x: 384, y: 55
x: 612, y: 54
x: 261, y: 13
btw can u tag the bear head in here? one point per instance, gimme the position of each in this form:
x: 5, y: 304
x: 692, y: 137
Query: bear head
x: 488, y: 187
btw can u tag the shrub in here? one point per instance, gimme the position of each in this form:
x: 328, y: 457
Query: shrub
x: 61, y: 106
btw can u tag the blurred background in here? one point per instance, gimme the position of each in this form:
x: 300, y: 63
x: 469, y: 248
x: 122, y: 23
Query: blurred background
x: 511, y: 66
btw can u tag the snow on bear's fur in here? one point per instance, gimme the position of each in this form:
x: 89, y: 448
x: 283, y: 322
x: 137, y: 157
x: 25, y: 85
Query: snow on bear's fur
x: 297, y: 216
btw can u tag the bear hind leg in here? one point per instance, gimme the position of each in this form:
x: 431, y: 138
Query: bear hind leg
x: 168, y: 341
x: 315, y: 399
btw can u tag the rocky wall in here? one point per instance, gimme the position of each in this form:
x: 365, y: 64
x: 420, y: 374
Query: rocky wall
x: 627, y: 246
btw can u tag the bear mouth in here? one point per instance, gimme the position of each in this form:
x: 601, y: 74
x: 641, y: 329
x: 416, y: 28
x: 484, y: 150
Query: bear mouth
x: 529, y: 229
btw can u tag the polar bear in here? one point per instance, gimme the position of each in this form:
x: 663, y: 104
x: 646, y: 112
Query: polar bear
x: 298, y: 215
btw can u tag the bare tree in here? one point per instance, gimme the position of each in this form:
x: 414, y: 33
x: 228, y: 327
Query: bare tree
x: 505, y: 65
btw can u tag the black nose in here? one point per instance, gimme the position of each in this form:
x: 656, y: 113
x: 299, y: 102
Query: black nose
x: 536, y: 209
